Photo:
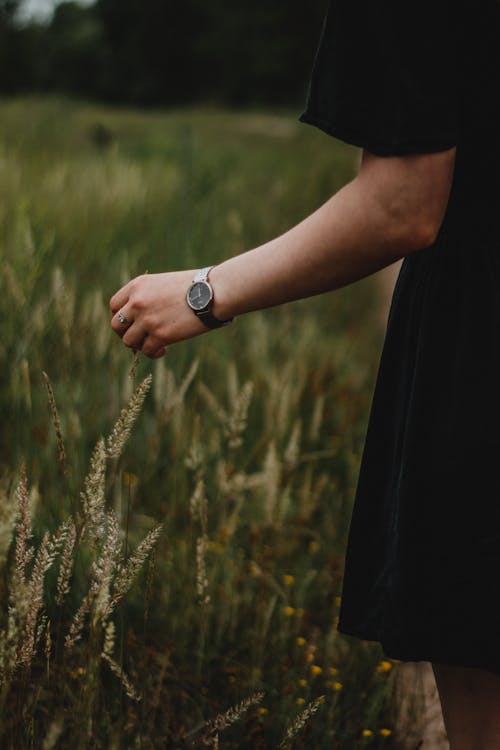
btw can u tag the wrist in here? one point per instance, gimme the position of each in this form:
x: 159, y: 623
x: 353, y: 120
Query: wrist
x: 201, y: 298
x: 221, y: 305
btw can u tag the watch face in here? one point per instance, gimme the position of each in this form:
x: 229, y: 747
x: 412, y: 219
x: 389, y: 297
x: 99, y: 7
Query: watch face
x: 199, y: 295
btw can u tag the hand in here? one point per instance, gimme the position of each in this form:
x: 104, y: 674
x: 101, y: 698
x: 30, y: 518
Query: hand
x: 151, y: 311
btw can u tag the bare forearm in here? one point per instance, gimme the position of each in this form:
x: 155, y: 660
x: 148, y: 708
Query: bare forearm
x: 362, y: 228
x: 341, y: 242
x: 394, y: 206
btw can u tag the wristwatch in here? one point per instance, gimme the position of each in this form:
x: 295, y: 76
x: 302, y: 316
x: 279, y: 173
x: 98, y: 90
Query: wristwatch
x: 200, y: 297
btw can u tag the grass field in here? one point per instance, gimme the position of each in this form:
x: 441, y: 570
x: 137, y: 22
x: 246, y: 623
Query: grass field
x: 219, y: 631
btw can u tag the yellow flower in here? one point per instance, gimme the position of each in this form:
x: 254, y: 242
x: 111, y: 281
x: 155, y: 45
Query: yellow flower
x: 262, y: 711
x: 288, y: 580
x: 300, y: 701
x: 300, y: 641
x: 303, y: 683
x: 333, y: 671
x: 337, y: 686
x: 384, y: 666
x: 338, y: 599
x: 385, y: 732
x: 367, y: 732
x: 288, y: 611
x: 316, y: 669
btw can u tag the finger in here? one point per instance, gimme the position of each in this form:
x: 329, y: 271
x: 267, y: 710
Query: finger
x: 134, y: 337
x: 121, y: 322
x: 159, y: 354
x: 151, y: 345
x: 120, y: 298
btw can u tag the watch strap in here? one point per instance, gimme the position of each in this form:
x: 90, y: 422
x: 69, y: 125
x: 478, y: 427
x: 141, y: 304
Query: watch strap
x: 211, y: 321
x: 206, y: 316
x: 202, y: 274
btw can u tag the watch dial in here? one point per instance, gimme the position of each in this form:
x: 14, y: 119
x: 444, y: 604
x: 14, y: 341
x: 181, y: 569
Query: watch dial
x: 200, y: 295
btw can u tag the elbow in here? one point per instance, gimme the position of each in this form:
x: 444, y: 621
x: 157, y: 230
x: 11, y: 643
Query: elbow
x: 422, y: 233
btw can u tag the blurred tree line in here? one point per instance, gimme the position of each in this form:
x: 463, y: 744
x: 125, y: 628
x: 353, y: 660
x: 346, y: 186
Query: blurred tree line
x: 161, y: 52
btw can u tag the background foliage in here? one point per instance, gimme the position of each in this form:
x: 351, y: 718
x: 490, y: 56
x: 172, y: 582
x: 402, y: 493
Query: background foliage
x: 164, y: 52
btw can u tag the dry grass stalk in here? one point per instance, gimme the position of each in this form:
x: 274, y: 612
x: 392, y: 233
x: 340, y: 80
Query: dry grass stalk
x: 8, y: 508
x: 24, y: 532
x: 123, y: 427
x: 93, y: 495
x: 196, y: 500
x: 201, y: 570
x: 118, y: 671
x: 109, y: 639
x: 198, y: 506
x: 97, y: 598
x: 317, y: 417
x: 299, y: 723
x: 237, y: 420
x: 126, y: 574
x: 135, y: 364
x: 64, y: 299
x: 66, y: 566
x: 291, y: 455
x: 44, y: 560
x: 272, y: 473
x: 61, y: 451
x: 105, y: 567
x: 53, y: 734
x: 213, y: 404
x: 19, y: 592
x: 233, y: 714
x: 48, y: 647
x: 195, y: 457
x: 176, y: 396
x: 76, y: 627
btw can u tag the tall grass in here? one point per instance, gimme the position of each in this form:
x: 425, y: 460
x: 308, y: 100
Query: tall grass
x: 219, y: 629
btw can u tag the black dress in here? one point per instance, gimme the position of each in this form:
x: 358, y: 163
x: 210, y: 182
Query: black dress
x: 422, y: 572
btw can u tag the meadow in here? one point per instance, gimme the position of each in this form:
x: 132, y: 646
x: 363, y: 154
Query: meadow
x: 172, y: 534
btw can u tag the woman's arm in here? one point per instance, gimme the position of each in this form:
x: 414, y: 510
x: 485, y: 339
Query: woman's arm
x: 393, y: 207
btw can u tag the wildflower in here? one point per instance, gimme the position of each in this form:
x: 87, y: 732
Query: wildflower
x: 289, y: 611
x: 367, y: 733
x: 384, y: 666
x: 316, y: 669
x: 300, y: 641
x: 303, y: 683
x: 288, y: 580
x: 300, y: 701
x: 262, y: 711
x: 385, y: 732
x: 337, y: 686
x: 338, y: 600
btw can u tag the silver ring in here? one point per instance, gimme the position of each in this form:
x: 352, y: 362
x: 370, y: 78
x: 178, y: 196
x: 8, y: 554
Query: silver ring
x: 121, y: 317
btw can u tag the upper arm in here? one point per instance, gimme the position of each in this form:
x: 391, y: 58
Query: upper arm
x: 411, y: 191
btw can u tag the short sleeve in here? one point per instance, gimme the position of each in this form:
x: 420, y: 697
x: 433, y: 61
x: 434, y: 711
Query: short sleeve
x: 386, y: 75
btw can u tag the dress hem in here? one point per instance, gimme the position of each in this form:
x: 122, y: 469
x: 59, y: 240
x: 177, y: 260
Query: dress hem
x: 405, y: 654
